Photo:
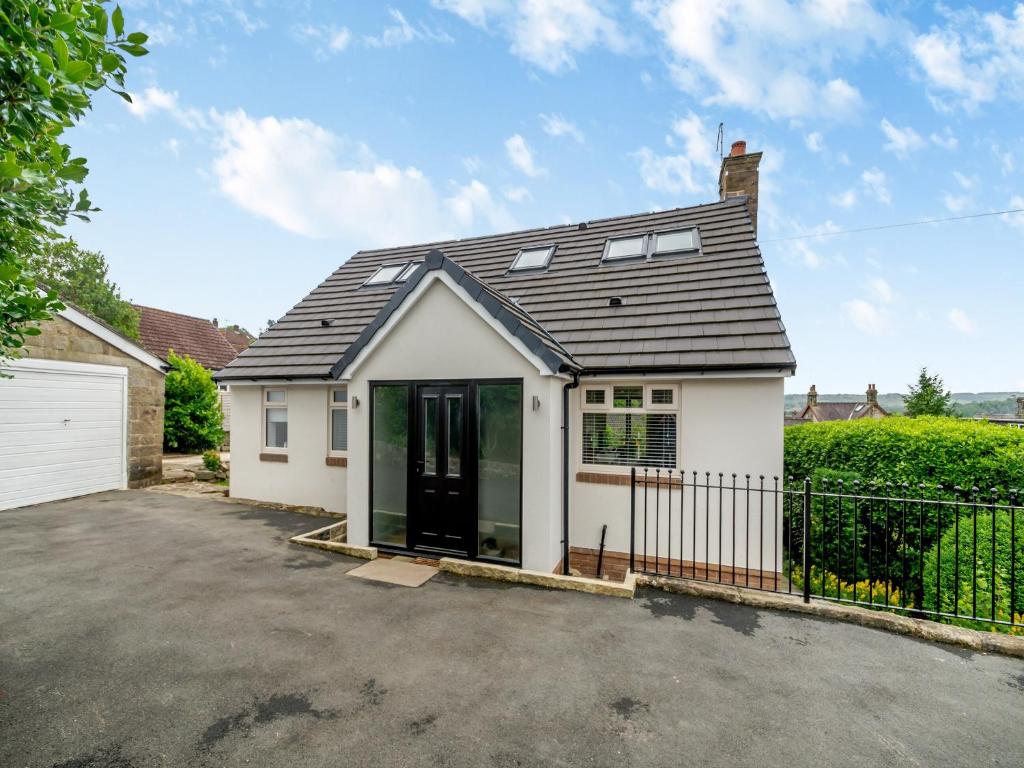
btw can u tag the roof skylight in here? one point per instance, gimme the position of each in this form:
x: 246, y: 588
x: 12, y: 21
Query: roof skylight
x: 532, y: 258
x: 624, y: 248
x: 674, y: 242
x: 385, y: 275
x: 407, y: 272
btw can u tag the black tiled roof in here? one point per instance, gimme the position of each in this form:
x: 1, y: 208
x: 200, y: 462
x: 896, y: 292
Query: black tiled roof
x: 709, y: 310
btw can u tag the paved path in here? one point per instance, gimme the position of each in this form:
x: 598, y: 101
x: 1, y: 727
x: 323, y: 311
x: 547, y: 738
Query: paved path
x: 143, y: 629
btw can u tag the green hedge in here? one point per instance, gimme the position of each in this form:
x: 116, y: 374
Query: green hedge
x: 927, y: 449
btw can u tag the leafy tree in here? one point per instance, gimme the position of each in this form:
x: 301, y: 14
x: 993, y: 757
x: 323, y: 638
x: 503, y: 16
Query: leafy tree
x: 192, y: 413
x: 80, y: 276
x: 54, y: 54
x: 927, y: 397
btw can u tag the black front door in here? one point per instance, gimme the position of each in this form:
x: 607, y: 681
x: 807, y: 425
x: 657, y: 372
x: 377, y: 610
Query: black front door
x: 442, y: 513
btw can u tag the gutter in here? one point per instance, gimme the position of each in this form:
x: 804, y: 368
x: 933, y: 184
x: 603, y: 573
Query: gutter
x: 565, y: 469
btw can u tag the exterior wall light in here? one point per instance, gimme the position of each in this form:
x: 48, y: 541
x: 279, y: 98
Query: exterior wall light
x: 536, y: 403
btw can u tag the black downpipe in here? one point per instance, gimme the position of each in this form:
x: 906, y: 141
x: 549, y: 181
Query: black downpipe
x: 565, y: 469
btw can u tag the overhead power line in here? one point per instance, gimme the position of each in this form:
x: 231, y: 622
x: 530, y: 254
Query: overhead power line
x: 893, y: 226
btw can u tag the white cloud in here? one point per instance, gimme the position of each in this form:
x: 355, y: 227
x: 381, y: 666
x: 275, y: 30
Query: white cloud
x: 517, y: 194
x: 881, y: 289
x: 173, y: 146
x: 402, y: 33
x: 946, y: 139
x: 814, y: 141
x: 866, y: 317
x: 960, y: 321
x: 472, y: 164
x: 1015, y: 219
x: 556, y: 125
x: 694, y: 170
x: 310, y: 181
x: 976, y: 57
x: 901, y: 141
x: 776, y: 57
x: 520, y: 155
x: 548, y: 34
x: 846, y: 199
x: 807, y: 255
x: 956, y: 203
x: 154, y: 100
x: 877, y: 184
x: 326, y: 39
x: 473, y: 202
x: 967, y: 182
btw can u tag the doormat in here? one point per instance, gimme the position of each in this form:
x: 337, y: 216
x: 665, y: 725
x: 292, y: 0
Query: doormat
x: 400, y: 571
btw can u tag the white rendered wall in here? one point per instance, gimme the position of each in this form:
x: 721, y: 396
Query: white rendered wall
x: 441, y: 337
x: 305, y: 479
x: 725, y: 425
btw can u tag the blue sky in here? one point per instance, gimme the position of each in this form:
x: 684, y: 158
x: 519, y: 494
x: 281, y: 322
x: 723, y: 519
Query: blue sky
x: 269, y: 141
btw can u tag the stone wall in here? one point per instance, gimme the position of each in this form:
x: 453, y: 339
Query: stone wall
x: 63, y: 340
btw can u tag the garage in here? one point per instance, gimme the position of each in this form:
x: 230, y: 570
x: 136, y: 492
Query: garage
x: 62, y: 431
x: 81, y: 412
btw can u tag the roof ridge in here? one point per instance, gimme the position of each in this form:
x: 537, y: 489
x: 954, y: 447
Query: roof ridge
x: 177, y: 314
x: 437, y: 244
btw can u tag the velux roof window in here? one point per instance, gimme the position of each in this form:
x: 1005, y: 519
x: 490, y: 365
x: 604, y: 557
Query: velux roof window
x: 532, y: 259
x: 648, y: 246
x: 385, y: 275
x: 406, y: 273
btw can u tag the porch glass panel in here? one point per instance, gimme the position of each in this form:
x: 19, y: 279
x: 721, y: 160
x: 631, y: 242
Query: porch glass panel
x: 390, y: 464
x: 499, y: 485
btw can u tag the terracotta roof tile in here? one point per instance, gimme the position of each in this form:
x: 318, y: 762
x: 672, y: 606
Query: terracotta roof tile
x: 200, y: 339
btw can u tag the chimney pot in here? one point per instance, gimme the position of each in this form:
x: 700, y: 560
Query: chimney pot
x: 738, y: 148
x: 872, y: 394
x: 739, y: 176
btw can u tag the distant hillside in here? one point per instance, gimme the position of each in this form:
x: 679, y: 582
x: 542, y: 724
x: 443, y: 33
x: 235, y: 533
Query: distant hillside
x: 968, y: 404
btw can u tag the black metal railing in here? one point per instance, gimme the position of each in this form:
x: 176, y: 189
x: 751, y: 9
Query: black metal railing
x: 948, y: 554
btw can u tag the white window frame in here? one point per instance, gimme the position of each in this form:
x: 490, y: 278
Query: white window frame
x: 369, y: 282
x: 331, y: 408
x: 644, y: 244
x: 605, y: 406
x: 649, y: 403
x: 648, y: 407
x: 550, y: 247
x: 268, y: 405
x: 652, y: 245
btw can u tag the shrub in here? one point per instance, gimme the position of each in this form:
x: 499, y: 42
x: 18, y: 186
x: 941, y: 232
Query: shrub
x: 192, y: 413
x: 211, y: 460
x: 927, y: 449
x: 952, y: 579
x: 863, y: 590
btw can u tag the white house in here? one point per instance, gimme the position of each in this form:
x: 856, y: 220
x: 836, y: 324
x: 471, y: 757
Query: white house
x: 485, y: 398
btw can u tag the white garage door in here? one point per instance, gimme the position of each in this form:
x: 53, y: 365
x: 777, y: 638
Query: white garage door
x: 62, y: 430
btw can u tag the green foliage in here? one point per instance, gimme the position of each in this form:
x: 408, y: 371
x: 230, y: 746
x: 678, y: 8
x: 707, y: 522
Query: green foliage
x: 192, y: 412
x: 932, y: 450
x: 1007, y: 405
x: 54, y: 54
x: 211, y: 460
x: 80, y: 276
x: 952, y: 579
x: 827, y: 583
x: 928, y: 397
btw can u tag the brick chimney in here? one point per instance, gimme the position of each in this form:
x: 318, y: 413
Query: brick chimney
x: 739, y: 177
x: 872, y: 394
x: 812, y: 396
x: 1020, y: 407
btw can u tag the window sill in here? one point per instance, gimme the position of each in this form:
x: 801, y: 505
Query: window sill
x: 280, y: 457
x: 609, y: 478
x: 336, y: 461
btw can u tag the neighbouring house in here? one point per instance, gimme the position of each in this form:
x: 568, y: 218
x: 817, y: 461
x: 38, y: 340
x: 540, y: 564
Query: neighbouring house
x: 236, y: 336
x: 838, y: 411
x: 485, y: 398
x: 81, y: 411
x: 1015, y: 420
x: 161, y: 331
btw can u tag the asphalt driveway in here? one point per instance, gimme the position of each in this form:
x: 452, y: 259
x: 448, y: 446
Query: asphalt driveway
x: 143, y: 629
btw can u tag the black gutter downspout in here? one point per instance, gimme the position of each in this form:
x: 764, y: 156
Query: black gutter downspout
x: 565, y: 469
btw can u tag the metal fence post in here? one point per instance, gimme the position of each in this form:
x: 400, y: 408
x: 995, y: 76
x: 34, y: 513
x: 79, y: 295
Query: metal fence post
x: 632, y: 519
x: 807, y: 540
